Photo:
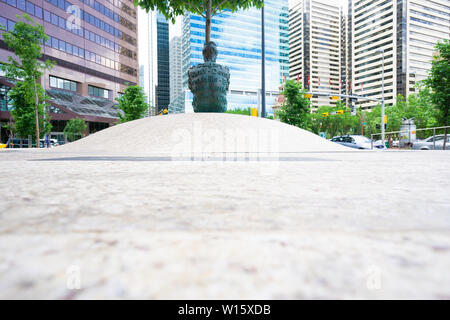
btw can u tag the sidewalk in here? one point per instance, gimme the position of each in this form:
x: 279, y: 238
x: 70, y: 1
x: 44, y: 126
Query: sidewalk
x: 308, y: 225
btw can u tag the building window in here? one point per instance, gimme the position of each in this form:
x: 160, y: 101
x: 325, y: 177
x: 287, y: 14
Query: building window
x: 5, y: 102
x: 59, y: 83
x: 98, y: 92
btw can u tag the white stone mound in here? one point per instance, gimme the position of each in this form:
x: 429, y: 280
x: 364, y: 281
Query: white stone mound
x: 204, y: 133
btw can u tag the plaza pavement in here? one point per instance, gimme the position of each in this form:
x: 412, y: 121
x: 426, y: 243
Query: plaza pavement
x: 310, y: 220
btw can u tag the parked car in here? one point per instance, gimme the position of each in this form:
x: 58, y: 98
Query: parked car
x: 356, y: 142
x: 53, y: 143
x: 428, y: 144
x: 379, y: 144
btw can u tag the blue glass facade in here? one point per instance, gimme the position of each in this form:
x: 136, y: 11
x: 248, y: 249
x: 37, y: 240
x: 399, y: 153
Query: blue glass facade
x: 163, y: 88
x: 238, y: 37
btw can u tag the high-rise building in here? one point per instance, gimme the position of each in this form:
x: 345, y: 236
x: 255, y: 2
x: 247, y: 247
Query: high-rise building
x: 176, y: 77
x: 344, y: 52
x: 407, y: 32
x: 163, y: 85
x: 94, y: 46
x: 148, y: 57
x: 349, y: 51
x: 238, y: 37
x: 315, y: 47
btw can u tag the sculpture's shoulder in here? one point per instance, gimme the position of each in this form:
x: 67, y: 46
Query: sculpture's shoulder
x: 223, y: 68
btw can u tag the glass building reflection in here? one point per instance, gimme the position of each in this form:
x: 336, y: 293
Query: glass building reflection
x: 238, y: 37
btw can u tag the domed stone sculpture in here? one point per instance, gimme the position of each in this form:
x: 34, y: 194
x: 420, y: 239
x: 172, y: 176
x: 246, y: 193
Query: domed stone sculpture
x: 209, y: 82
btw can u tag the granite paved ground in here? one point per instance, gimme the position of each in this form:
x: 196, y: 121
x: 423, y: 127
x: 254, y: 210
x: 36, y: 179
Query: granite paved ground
x: 325, y: 225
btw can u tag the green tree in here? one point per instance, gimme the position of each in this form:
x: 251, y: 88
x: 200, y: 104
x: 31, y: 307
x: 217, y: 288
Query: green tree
x: 245, y: 112
x: 334, y: 125
x: 26, y: 40
x: 75, y: 129
x: 295, y: 110
x: 23, y: 111
x: 132, y: 104
x: 439, y: 82
x: 205, y: 8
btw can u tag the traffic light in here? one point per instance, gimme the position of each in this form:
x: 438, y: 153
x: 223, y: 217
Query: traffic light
x: 340, y: 112
x: 325, y: 114
x: 353, y: 110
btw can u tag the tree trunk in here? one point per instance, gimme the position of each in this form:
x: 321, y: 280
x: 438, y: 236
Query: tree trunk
x: 445, y: 133
x: 208, y: 22
x: 36, y: 114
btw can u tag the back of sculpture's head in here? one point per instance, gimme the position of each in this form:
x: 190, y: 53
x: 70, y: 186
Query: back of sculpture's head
x: 210, y: 52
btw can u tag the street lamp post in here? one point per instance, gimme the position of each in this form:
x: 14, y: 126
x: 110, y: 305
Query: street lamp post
x: 382, y: 103
x: 263, y: 66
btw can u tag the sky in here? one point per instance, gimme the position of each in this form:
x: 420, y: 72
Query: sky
x: 175, y: 29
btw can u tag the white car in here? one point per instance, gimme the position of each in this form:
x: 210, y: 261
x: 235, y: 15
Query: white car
x: 430, y: 142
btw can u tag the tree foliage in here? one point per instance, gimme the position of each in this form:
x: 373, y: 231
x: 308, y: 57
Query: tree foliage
x: 75, y: 129
x: 245, y: 112
x: 23, y: 112
x: 333, y: 125
x: 132, y: 104
x: 205, y: 8
x: 295, y: 109
x: 419, y: 106
x: 173, y: 8
x: 26, y: 41
x: 439, y: 82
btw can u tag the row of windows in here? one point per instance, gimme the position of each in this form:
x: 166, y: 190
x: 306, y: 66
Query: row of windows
x: 426, y: 22
x: 98, y: 92
x: 373, y: 21
x: 26, y: 6
x: 100, y: 24
x: 62, y: 23
x: 60, y: 83
x: 77, y: 51
x: 88, y: 55
x: 97, y: 6
x: 89, y: 35
x: 374, y: 8
x: 429, y: 16
x: 5, y: 101
x: 38, y: 12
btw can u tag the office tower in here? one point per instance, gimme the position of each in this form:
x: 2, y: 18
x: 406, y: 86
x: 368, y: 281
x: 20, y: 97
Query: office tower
x: 315, y: 47
x: 176, y: 77
x: 147, y: 56
x: 407, y: 31
x: 163, y: 85
x: 349, y: 50
x: 94, y: 45
x: 344, y: 53
x: 238, y: 37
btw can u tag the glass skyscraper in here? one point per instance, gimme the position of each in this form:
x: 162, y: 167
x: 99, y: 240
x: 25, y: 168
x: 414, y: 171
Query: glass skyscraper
x: 163, y: 88
x: 238, y: 38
